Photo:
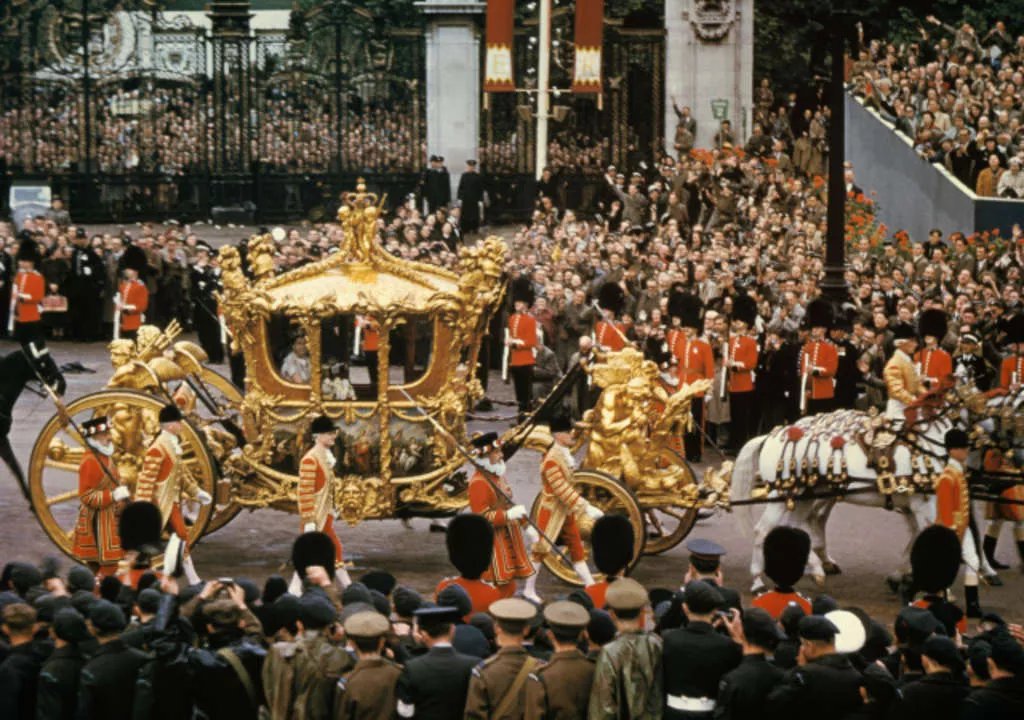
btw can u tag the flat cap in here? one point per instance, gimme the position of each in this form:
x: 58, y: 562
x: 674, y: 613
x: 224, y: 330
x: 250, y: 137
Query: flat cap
x: 106, y: 617
x: 943, y: 651
x: 701, y: 597
x: 566, y: 614
x: 316, y: 610
x: 512, y: 609
x: 815, y: 627
x: 367, y: 625
x: 626, y: 594
x: 69, y: 626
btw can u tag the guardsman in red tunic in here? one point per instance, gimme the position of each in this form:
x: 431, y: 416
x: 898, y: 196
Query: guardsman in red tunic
x: 140, y: 529
x: 97, y: 543
x: 613, y: 544
x: 317, y: 486
x: 1011, y: 373
x: 561, y: 506
x: 521, y: 343
x: 609, y: 335
x: 694, y: 362
x: 786, y: 550
x: 27, y: 294
x: 510, y: 560
x: 165, y: 481
x: 934, y: 364
x: 935, y: 560
x: 470, y: 542
x: 132, y: 295
x: 740, y: 364
x: 819, y: 361
x: 953, y: 510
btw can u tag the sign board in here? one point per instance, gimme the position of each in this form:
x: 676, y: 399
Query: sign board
x: 720, y: 109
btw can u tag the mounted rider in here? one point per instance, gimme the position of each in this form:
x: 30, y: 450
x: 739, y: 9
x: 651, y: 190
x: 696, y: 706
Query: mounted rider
x: 902, y: 380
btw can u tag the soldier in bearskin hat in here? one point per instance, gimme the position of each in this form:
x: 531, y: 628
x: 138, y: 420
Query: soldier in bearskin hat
x: 609, y: 333
x: 27, y: 294
x: 521, y: 343
x: 613, y: 546
x: 316, y: 488
x: 311, y: 549
x: 935, y: 560
x: 132, y: 296
x: 139, y: 531
x: 694, y: 361
x: 786, y: 550
x: 470, y: 543
x: 934, y: 364
x: 819, y: 361
x: 740, y: 365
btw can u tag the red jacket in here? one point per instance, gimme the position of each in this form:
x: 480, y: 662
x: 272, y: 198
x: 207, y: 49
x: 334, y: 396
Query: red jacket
x: 522, y: 327
x: 482, y: 593
x: 934, y: 365
x: 610, y: 336
x: 825, y: 356
x: 510, y: 560
x: 694, y: 360
x: 1012, y: 371
x: 371, y: 334
x: 134, y: 301
x: 96, y: 536
x: 32, y: 285
x: 742, y: 350
x: 775, y: 602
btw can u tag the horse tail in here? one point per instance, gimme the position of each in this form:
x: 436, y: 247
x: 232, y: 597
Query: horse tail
x: 11, y: 460
x: 744, y: 473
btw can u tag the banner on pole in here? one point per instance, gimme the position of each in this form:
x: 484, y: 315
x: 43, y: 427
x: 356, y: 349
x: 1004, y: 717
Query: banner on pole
x: 589, y: 37
x: 498, y: 66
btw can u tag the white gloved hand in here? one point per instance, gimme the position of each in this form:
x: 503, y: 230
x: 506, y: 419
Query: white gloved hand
x: 532, y: 536
x: 121, y: 493
x: 204, y: 497
x: 516, y: 512
x: 309, y: 527
x: 593, y: 512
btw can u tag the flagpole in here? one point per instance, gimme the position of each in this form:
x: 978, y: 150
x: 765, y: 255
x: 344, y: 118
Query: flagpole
x: 543, y: 82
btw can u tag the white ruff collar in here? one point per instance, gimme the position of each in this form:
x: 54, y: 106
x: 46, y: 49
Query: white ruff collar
x: 497, y: 468
x: 106, y: 450
x: 567, y: 456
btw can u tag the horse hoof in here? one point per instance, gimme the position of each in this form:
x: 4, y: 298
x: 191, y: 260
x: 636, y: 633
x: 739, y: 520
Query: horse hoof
x: 819, y: 580
x: 832, y: 569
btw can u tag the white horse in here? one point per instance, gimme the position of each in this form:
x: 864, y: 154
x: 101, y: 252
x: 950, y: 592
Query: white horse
x: 825, y: 458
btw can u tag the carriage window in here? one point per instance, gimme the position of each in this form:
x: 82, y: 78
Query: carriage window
x: 412, y: 349
x: 289, y: 350
x: 348, y: 353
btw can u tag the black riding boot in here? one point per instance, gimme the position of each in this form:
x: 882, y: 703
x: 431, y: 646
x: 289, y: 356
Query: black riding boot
x: 988, y: 546
x: 973, y: 607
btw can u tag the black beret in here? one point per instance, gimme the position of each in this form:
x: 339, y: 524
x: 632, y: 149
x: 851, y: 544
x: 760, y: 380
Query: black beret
x: 977, y: 657
x: 69, y: 626
x: 815, y: 627
x: 456, y: 596
x: 110, y: 588
x: 356, y: 592
x: 149, y: 601
x: 484, y: 623
x: 468, y: 640
x: 1007, y: 653
x: 880, y: 684
x: 47, y: 606
x: 251, y: 590
x: 701, y: 597
x: 406, y: 601
x: 601, y: 628
x: 580, y: 597
x: 106, y: 617
x: 24, y: 577
x: 823, y: 604
x: 81, y: 578
x: 917, y: 625
x: 760, y: 628
x: 944, y: 651
x: 316, y: 611
x: 381, y: 602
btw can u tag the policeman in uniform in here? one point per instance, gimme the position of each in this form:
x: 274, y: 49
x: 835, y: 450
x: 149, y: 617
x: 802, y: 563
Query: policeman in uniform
x: 132, y: 294
x: 740, y: 364
x: 85, y: 284
x: 106, y: 686
x: 612, y: 543
x: 902, y: 381
x: 819, y: 360
x: 101, y: 499
x: 497, y: 689
x: 694, y: 362
x: 609, y: 334
x: 369, y: 691
x: 470, y: 542
x: 953, y: 510
x: 470, y: 194
x: 934, y: 365
x: 628, y: 675
x: 560, y: 506
x: 706, y: 565
x: 521, y: 343
x: 316, y: 488
x: 436, y: 185
x: 786, y: 550
x: 510, y: 561
x: 695, y: 657
x: 27, y: 294
x: 560, y: 689
x: 970, y: 365
x: 204, y: 283
x: 434, y: 686
x: 165, y: 481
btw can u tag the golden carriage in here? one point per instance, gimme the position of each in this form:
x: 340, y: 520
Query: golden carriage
x: 298, y: 330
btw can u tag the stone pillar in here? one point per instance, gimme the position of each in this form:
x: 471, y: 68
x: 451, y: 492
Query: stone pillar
x: 709, y: 65
x: 453, y: 81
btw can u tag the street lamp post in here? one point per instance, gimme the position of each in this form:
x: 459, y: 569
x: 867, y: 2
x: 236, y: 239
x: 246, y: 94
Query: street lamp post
x: 834, y: 284
x: 543, y: 83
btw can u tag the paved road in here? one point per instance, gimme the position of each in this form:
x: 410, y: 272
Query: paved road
x: 867, y: 543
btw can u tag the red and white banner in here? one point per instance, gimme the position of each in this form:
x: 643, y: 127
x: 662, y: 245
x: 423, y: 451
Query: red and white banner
x: 498, y: 69
x: 589, y: 36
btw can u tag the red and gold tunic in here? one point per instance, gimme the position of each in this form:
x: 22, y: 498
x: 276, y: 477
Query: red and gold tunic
x: 934, y: 366
x: 29, y: 288
x: 165, y: 482
x: 522, y: 327
x: 1011, y: 372
x: 316, y: 494
x: 775, y: 602
x: 610, y: 336
x: 134, y: 302
x: 560, y: 505
x: 481, y: 592
x: 1013, y: 511
x: 510, y: 560
x: 371, y: 334
x: 96, y: 537
x: 824, y: 356
x: 953, y: 500
x: 694, y: 359
x: 742, y: 350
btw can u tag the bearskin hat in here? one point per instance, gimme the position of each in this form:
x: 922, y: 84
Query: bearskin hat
x: 1015, y: 328
x: 819, y: 314
x: 612, y: 541
x: 903, y: 331
x: 935, y: 558
x: 470, y: 542
x: 140, y: 527
x: 611, y: 298
x: 786, y: 550
x: 522, y: 291
x: 933, y: 323
x: 687, y: 307
x: 312, y: 549
x: 133, y: 258
x: 744, y: 309
x: 28, y: 250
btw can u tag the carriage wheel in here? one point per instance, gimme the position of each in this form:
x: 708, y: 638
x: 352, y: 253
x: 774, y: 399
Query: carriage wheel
x: 53, y: 468
x: 668, y: 525
x: 611, y: 496
x: 229, y: 400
